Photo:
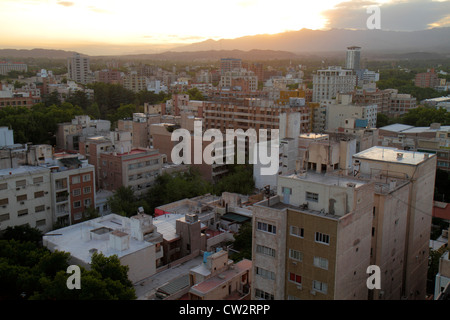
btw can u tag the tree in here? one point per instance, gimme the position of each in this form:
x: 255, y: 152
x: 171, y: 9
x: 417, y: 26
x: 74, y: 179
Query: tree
x: 243, y: 242
x: 170, y: 188
x: 195, y: 94
x: 123, y: 202
x: 238, y: 180
x: 22, y: 233
x: 382, y: 120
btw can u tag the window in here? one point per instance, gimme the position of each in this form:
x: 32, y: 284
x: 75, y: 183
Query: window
x: 295, y: 278
x: 322, y: 238
x: 23, y: 212
x: 310, y: 196
x: 296, y: 231
x: 38, y: 194
x: 21, y: 197
x: 4, y: 201
x: 40, y: 223
x: 38, y: 180
x: 77, y: 204
x: 87, y: 202
x: 39, y: 208
x: 266, y: 274
x: 320, y: 286
x: 266, y: 227
x: 296, y: 255
x: 265, y: 250
x: 4, y: 217
x: 86, y: 177
x: 321, y: 262
x: 76, y: 192
x: 263, y: 295
x: 86, y: 190
x: 21, y: 183
x: 3, y: 186
x: 75, y: 179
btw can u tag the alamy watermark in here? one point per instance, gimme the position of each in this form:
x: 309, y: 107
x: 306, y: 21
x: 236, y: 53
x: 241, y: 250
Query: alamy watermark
x: 374, y: 20
x: 73, y: 281
x: 264, y: 152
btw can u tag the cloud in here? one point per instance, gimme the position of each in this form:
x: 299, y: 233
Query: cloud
x: 396, y: 15
x: 66, y: 3
x: 98, y: 10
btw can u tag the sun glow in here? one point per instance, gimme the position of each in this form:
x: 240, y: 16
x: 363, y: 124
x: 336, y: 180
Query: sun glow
x: 42, y: 23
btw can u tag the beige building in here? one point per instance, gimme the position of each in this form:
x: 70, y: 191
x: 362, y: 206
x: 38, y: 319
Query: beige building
x: 413, y: 227
x: 219, y: 278
x: 317, y: 236
x: 25, y: 197
x: 312, y: 240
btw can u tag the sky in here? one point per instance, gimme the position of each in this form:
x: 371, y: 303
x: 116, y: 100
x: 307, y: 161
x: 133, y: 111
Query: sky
x: 93, y: 24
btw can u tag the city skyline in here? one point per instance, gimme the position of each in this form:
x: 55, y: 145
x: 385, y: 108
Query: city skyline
x: 99, y: 27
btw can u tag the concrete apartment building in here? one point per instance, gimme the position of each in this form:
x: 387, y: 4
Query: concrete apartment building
x: 137, y: 168
x: 134, y: 82
x: 258, y: 114
x: 434, y: 139
x: 427, y: 79
x: 337, y: 113
x: 241, y: 79
x: 68, y: 134
x: 317, y: 236
x: 72, y: 188
x: 329, y: 82
x: 389, y: 101
x: 6, y: 67
x: 78, y: 69
x: 219, y: 278
x: 418, y: 169
x: 353, y: 58
x: 136, y: 242
x: 25, y: 197
x: 312, y: 240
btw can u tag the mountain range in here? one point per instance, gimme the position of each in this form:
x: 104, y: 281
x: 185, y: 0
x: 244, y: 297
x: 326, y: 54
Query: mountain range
x: 423, y: 44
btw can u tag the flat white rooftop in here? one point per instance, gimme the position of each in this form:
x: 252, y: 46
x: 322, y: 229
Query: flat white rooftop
x: 326, y: 179
x: 388, y: 154
x: 75, y: 239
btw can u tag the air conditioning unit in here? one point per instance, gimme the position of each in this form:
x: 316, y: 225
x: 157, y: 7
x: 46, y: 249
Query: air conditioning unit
x: 300, y: 287
x: 22, y: 202
x: 313, y: 292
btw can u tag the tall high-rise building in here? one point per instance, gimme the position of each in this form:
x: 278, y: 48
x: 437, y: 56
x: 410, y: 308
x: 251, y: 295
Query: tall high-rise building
x: 353, y: 58
x: 78, y: 68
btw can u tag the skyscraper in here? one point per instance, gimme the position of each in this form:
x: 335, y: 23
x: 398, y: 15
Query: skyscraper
x: 353, y: 57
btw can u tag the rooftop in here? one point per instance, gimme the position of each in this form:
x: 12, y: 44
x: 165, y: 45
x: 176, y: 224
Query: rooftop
x: 5, y: 173
x: 78, y: 241
x: 225, y: 276
x: 394, y: 155
x: 326, y: 179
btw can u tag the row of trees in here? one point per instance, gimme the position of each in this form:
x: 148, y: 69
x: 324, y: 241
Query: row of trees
x: 421, y: 116
x: 169, y: 188
x: 30, y: 271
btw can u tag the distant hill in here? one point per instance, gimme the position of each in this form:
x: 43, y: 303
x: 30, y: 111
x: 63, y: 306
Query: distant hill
x: 36, y: 53
x: 212, y: 55
x: 306, y: 40
x: 376, y: 44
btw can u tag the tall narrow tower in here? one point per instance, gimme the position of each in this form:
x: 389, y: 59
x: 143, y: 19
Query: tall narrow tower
x: 353, y: 57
